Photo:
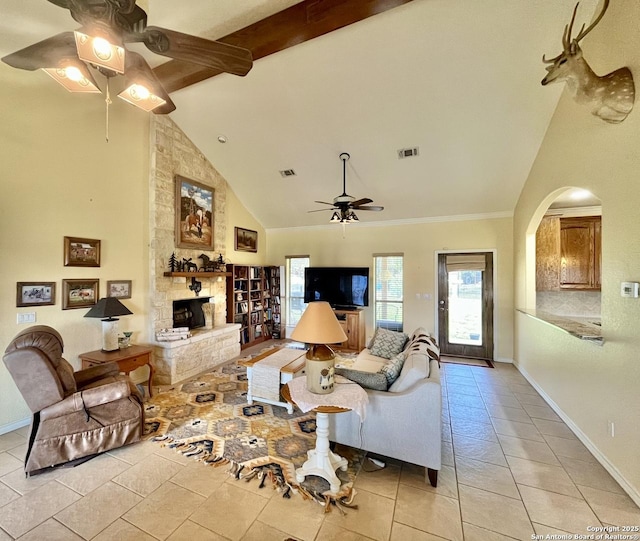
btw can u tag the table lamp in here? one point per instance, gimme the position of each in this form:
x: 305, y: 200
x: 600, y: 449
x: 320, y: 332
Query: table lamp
x: 107, y: 308
x: 319, y: 326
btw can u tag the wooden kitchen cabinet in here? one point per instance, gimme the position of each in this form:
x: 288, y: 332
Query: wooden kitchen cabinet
x: 568, y: 253
x: 548, y: 254
x: 580, y: 252
x: 352, y: 323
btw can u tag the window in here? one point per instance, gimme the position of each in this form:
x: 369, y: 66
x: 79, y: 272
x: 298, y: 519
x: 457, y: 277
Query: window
x: 388, y: 291
x: 294, y: 280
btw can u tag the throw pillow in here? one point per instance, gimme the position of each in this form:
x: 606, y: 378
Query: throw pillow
x: 392, y: 369
x: 387, y: 344
x: 423, y: 343
x: 416, y: 368
x: 368, y: 380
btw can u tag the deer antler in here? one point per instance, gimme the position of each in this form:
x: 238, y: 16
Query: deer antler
x: 568, y: 29
x: 584, y: 32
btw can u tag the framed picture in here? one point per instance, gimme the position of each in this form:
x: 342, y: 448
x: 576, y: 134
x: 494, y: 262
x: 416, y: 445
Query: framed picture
x: 194, y: 214
x: 36, y: 293
x: 119, y: 288
x: 79, y: 293
x: 81, y: 252
x: 246, y: 240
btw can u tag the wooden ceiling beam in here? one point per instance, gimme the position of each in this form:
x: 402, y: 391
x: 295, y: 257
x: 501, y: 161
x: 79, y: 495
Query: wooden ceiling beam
x: 304, y: 21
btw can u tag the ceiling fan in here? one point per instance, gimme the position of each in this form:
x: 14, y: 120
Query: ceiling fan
x: 106, y: 26
x: 344, y: 205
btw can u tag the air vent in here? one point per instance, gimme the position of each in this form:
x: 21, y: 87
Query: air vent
x: 288, y: 173
x: 407, y: 153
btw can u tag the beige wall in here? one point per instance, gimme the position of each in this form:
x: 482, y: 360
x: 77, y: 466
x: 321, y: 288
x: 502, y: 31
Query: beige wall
x: 419, y: 243
x: 591, y: 385
x: 60, y: 178
x: 239, y: 216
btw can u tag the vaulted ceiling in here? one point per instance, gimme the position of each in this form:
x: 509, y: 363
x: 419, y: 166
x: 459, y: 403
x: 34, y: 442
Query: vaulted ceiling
x: 458, y: 79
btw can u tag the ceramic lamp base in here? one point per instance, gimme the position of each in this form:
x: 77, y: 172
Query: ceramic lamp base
x: 110, y: 335
x: 320, y: 369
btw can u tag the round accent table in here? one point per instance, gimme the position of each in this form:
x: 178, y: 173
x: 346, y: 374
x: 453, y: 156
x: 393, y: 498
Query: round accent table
x: 321, y: 461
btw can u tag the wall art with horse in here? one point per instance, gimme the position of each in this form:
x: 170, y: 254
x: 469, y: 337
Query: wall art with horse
x: 194, y: 214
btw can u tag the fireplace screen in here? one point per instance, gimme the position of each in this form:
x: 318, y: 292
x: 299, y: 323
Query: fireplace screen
x: 189, y: 313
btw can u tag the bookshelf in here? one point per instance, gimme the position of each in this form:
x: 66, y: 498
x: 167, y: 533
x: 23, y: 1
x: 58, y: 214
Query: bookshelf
x: 251, y: 302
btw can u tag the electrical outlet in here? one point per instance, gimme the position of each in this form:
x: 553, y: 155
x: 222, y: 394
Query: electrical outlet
x: 26, y: 317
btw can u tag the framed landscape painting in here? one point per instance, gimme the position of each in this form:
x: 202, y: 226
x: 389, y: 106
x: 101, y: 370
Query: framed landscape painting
x: 79, y: 293
x: 246, y: 240
x: 36, y: 293
x: 194, y: 214
x: 81, y: 252
x: 120, y: 289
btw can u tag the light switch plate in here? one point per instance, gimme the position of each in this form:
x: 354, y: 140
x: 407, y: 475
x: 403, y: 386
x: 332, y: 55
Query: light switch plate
x: 26, y: 317
x: 629, y: 289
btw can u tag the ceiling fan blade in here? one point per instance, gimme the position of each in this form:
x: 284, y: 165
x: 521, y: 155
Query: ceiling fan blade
x: 208, y: 53
x: 369, y: 208
x: 322, y: 210
x: 324, y: 203
x: 362, y: 201
x: 44, y: 54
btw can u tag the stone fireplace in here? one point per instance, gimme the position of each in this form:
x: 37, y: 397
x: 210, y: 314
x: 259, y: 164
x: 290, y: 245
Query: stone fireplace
x: 214, y: 341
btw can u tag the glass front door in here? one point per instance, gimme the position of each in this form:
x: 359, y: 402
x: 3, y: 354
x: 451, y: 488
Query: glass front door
x: 465, y: 304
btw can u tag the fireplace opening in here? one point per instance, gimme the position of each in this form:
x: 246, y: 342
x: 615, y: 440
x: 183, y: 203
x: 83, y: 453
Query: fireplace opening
x: 189, y: 313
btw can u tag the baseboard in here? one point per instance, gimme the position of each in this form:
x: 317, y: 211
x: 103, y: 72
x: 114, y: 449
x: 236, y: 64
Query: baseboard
x: 613, y: 471
x: 14, y: 426
x: 503, y: 360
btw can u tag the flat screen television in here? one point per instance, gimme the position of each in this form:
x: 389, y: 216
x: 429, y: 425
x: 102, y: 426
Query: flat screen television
x: 341, y: 287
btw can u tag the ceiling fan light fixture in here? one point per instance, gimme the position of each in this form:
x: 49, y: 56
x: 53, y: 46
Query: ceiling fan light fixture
x: 352, y: 217
x: 140, y: 96
x: 335, y: 218
x: 74, y: 76
x: 100, y: 51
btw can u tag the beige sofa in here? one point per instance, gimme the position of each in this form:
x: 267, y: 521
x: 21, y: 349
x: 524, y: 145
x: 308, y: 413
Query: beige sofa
x: 404, y: 422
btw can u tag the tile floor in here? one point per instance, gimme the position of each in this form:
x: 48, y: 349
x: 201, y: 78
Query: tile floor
x: 511, y: 469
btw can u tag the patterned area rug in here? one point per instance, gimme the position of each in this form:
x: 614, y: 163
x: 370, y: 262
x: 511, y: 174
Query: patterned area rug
x: 208, y: 419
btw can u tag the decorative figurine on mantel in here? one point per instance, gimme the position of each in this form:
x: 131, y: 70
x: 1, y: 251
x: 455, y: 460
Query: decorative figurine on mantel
x: 173, y: 263
x: 221, y: 265
x: 207, y: 264
x: 189, y: 266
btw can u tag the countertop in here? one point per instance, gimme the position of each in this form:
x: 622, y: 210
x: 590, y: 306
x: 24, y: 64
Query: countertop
x: 584, y: 328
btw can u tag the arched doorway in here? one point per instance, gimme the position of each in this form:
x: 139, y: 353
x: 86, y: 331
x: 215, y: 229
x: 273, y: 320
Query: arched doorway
x: 568, y: 249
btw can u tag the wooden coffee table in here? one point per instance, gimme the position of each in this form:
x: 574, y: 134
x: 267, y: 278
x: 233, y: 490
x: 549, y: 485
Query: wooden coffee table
x: 128, y: 359
x: 287, y: 373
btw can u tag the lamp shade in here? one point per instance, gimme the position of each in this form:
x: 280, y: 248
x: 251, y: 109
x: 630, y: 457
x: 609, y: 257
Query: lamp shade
x: 319, y: 325
x: 108, y: 307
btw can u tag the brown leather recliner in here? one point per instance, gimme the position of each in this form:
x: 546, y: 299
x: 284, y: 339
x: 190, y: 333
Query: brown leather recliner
x: 75, y: 414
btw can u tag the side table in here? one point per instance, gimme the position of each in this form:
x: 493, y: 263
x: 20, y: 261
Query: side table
x: 128, y: 359
x: 321, y: 461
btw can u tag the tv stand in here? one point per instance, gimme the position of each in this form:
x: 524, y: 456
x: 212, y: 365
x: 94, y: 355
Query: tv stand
x: 352, y: 323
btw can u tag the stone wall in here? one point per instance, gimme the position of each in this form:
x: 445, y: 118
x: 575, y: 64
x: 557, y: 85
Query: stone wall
x: 177, y: 361
x: 172, y: 153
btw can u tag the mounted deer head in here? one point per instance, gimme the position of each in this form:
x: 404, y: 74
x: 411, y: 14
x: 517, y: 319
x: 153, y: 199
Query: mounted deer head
x: 609, y: 97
